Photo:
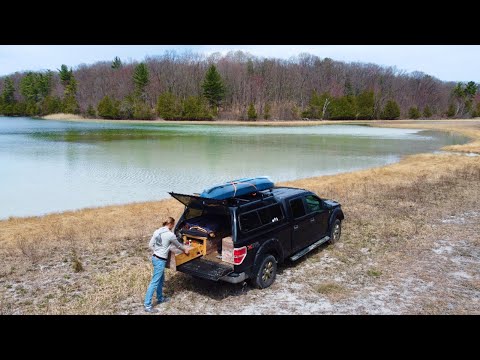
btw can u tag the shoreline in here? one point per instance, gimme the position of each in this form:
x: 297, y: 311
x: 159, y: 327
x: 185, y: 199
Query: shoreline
x: 78, y: 118
x: 471, y: 147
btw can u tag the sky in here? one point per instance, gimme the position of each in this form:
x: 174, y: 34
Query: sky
x: 446, y: 62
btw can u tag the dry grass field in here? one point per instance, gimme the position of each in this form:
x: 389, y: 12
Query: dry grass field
x: 410, y: 245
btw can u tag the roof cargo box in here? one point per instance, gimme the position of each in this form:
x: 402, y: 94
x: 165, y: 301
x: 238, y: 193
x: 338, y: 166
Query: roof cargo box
x: 238, y: 187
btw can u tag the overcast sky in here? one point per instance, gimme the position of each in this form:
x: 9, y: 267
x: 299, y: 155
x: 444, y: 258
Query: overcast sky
x: 446, y: 62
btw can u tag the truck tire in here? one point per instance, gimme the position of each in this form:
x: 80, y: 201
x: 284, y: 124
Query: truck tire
x: 266, y: 273
x: 336, y: 231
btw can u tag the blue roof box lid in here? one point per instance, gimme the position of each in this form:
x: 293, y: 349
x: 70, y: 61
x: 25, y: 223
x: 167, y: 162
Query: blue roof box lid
x: 238, y: 187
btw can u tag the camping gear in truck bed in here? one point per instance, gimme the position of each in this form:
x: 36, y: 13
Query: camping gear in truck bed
x: 207, y: 225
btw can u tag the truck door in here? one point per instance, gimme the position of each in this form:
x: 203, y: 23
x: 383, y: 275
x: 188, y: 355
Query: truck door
x: 319, y: 218
x: 300, y: 224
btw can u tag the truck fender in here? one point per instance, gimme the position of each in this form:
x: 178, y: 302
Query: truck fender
x: 336, y: 214
x: 270, y: 246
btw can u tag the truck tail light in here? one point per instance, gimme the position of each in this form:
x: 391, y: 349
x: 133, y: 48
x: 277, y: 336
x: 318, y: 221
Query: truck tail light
x: 239, y: 255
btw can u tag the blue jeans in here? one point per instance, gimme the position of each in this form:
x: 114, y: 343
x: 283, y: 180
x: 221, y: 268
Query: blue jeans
x: 157, y: 281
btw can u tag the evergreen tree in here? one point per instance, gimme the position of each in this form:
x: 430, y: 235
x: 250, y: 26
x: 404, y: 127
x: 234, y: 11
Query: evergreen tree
x: 142, y: 111
x: 427, y: 113
x: 117, y: 63
x: 365, y: 105
x: 266, y: 111
x: 109, y: 108
x: 195, y: 108
x: 343, y: 108
x: 167, y: 106
x: 451, y: 111
x: 71, y: 88
x: 413, y: 113
x: 141, y: 80
x: 391, y: 110
x: 213, y: 88
x: 51, y: 105
x: 8, y: 94
x: 36, y: 86
x: 471, y: 89
x: 70, y: 105
x: 91, y: 111
x: 476, y: 113
x: 65, y: 74
x: 251, y: 113
x: 314, y: 107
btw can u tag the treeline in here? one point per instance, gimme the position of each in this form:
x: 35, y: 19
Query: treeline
x: 236, y: 86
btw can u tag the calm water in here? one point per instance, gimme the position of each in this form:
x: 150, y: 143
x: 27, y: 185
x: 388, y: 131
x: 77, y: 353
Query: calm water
x: 50, y: 166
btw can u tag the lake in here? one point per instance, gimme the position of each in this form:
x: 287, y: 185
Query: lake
x: 51, y: 166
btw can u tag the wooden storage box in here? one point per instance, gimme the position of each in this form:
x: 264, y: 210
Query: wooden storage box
x: 197, y: 247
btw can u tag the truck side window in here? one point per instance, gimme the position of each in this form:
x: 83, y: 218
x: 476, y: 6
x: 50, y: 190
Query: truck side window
x: 298, y: 210
x: 313, y: 203
x: 270, y: 214
x: 249, y: 221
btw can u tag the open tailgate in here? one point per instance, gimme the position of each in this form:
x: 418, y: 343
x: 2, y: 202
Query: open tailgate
x: 205, y: 269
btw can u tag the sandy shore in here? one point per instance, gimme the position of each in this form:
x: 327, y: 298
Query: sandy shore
x: 78, y: 118
x: 410, y: 244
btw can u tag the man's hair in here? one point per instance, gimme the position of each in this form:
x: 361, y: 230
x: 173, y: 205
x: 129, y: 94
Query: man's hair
x: 169, y: 220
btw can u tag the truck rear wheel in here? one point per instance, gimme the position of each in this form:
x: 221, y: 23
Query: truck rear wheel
x: 266, y: 273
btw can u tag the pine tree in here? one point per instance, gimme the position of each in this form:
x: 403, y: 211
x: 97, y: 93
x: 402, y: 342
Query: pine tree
x: 91, y: 111
x: 266, y: 111
x: 51, y: 105
x: 195, y: 108
x: 213, y: 88
x: 365, y: 105
x: 343, y: 108
x: 109, y: 108
x: 141, y: 79
x: 451, y: 111
x: 36, y: 86
x: 391, y: 110
x: 314, y: 107
x: 65, y: 74
x: 167, y: 106
x: 427, y: 113
x: 70, y: 105
x: 8, y: 91
x: 476, y: 113
x: 251, y: 113
x: 117, y: 63
x: 413, y: 113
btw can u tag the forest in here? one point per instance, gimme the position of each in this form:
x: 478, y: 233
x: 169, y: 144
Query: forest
x: 236, y: 86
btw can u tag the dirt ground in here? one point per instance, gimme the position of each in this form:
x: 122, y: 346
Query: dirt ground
x: 410, y: 245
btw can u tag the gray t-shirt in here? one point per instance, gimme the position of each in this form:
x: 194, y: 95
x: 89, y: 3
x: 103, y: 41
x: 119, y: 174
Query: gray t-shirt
x: 161, y: 242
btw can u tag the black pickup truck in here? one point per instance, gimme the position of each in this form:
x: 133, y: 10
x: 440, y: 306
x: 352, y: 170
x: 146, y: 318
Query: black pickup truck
x: 246, y: 237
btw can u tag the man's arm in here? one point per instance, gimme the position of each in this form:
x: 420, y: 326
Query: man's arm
x: 176, y: 243
x: 151, y: 244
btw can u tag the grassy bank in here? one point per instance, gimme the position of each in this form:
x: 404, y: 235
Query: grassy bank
x: 95, y: 261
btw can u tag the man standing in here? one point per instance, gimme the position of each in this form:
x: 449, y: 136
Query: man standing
x: 160, y: 243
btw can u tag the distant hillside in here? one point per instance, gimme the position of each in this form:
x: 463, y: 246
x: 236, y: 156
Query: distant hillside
x: 173, y: 86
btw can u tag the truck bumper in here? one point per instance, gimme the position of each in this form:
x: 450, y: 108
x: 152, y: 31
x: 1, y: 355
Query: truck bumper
x: 234, y: 278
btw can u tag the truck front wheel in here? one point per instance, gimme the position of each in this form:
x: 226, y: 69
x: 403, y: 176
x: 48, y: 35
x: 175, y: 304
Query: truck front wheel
x: 266, y: 273
x: 336, y: 231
